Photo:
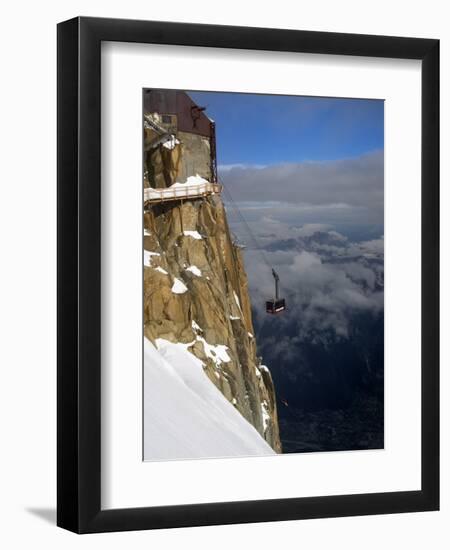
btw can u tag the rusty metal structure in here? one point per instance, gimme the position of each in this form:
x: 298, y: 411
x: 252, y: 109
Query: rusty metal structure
x: 179, y: 113
x: 213, y: 153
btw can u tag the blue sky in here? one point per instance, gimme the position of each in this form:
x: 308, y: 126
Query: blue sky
x: 265, y: 130
x: 301, y: 160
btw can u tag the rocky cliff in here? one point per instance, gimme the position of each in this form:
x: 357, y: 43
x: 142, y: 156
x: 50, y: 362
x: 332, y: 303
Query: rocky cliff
x: 195, y: 292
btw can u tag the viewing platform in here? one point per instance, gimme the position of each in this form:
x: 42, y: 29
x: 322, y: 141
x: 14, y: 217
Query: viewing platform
x: 195, y: 187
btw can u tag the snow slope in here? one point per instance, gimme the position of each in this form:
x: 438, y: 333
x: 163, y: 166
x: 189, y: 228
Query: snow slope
x: 185, y: 415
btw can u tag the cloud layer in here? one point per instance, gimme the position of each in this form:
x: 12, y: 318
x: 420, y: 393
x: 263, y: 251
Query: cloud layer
x: 349, y: 191
x: 321, y: 226
x: 326, y: 279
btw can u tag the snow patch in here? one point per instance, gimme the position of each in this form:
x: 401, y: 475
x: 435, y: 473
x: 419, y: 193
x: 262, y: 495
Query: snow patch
x: 161, y: 344
x: 234, y: 317
x: 171, y: 143
x: 185, y: 415
x: 161, y: 270
x: 178, y: 287
x: 146, y: 232
x: 218, y: 353
x: 265, y: 415
x: 236, y: 299
x: 195, y: 270
x: 148, y: 257
x: 250, y: 335
x: 191, y: 181
x: 193, y: 234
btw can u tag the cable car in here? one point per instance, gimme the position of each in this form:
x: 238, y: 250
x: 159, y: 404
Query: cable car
x: 277, y: 304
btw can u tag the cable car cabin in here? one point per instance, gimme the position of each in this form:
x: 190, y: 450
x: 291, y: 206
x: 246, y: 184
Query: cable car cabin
x: 277, y: 304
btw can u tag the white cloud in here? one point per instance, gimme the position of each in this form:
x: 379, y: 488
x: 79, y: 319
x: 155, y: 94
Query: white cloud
x: 331, y: 192
x: 293, y: 210
x: 324, y: 284
x: 228, y: 167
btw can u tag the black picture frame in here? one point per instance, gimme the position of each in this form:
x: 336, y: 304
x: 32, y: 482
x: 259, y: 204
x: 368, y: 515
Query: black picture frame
x: 79, y: 280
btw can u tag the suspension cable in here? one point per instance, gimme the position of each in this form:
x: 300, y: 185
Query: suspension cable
x: 256, y: 244
x: 253, y: 238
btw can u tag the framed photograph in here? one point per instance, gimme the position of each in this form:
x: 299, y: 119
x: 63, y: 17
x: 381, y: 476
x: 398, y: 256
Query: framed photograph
x: 248, y: 289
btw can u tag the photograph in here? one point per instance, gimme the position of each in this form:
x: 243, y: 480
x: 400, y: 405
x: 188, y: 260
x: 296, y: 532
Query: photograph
x: 263, y: 274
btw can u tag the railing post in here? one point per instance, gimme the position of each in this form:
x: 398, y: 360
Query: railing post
x: 181, y: 216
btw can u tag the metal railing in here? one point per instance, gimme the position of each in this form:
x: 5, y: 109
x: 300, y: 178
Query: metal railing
x: 181, y: 192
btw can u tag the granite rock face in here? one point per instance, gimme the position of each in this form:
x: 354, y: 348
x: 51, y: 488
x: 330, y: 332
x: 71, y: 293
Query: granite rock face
x: 195, y: 292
